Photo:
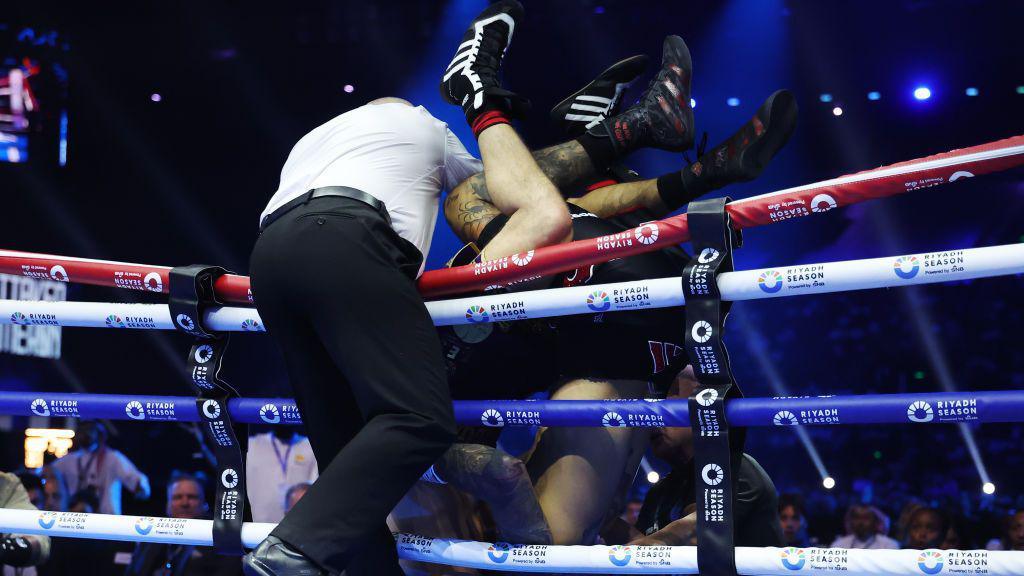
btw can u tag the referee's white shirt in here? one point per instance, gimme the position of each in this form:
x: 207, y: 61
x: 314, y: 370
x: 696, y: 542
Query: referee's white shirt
x: 399, y: 154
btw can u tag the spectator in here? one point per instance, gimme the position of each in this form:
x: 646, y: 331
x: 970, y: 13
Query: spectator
x: 101, y: 469
x: 864, y: 529
x: 791, y: 517
x: 1013, y: 534
x: 900, y: 532
x: 19, y: 552
x: 294, y: 494
x: 926, y: 529
x: 276, y: 461
x: 55, y: 493
x: 185, y: 499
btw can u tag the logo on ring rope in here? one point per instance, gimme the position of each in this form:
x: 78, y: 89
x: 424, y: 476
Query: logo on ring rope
x: 114, y: 321
x: 153, y: 282
x: 620, y: 555
x: 612, y: 420
x: 712, y: 474
x: 646, y: 234
x: 906, y: 267
x: 270, y: 414
x: 135, y: 411
x: 598, y: 301
x: 793, y: 558
x: 930, y: 561
x: 476, y: 314
x: 47, y: 520
x: 39, y: 407
x: 492, y: 418
x: 19, y: 319
x: 211, y: 409
x: 250, y: 325
x: 186, y: 322
x: 770, y: 281
x: 498, y: 552
x: 960, y: 174
x: 822, y: 203
x: 785, y: 418
x: 920, y: 411
x: 522, y: 259
x: 707, y: 255
x: 59, y: 274
x: 144, y: 525
x: 701, y: 332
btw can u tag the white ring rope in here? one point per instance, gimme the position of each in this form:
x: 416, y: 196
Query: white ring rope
x: 893, y: 271
x: 560, y: 559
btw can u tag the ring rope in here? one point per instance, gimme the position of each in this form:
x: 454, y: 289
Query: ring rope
x: 541, y: 558
x: 935, y: 407
x: 794, y: 280
x: 756, y: 211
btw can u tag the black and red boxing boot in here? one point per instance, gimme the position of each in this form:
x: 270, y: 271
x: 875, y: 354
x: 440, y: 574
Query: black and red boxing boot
x: 741, y: 158
x: 599, y: 99
x: 471, y: 79
x: 661, y: 119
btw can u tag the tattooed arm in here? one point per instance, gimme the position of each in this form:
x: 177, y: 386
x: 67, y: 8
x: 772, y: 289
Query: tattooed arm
x: 468, y: 209
x: 563, y: 164
x: 621, y: 198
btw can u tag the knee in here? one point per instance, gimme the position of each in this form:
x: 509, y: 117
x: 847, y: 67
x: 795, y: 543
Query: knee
x: 553, y: 220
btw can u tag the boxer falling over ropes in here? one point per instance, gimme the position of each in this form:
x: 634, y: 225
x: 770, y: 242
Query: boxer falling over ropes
x: 582, y: 474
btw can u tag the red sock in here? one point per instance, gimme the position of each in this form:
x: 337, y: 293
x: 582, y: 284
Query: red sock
x: 488, y: 119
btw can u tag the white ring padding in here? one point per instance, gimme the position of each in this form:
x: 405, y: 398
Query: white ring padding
x: 561, y: 559
x: 892, y: 271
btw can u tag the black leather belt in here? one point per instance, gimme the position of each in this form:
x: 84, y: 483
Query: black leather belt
x: 337, y: 191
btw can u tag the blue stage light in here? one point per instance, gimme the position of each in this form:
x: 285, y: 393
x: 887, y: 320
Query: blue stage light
x: 693, y: 102
x: 922, y: 93
x: 874, y: 96
x: 972, y: 91
x: 733, y: 102
x: 825, y: 98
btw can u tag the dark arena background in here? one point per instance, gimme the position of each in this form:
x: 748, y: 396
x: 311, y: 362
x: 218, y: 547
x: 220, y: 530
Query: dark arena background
x: 156, y: 132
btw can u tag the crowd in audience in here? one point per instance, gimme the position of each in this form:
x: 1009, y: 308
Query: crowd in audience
x: 917, y: 526
x: 94, y: 477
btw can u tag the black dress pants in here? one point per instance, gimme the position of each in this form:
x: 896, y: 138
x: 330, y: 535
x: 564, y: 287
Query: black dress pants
x: 334, y: 285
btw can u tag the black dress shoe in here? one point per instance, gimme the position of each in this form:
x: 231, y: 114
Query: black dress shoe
x: 275, y: 558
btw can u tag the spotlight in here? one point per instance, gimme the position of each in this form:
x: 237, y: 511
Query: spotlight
x: 349, y: 88
x: 653, y: 477
x: 598, y: 9
x: 733, y: 102
x: 1020, y: 89
x: 693, y: 103
x: 155, y: 97
x: 972, y: 91
x: 874, y: 95
x: 825, y: 98
x: 829, y: 483
x: 922, y: 93
x: 988, y: 488
x: 837, y: 111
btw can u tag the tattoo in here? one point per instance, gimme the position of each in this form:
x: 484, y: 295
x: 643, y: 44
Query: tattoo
x: 502, y: 482
x: 467, y: 212
x: 564, y: 163
x: 479, y: 185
